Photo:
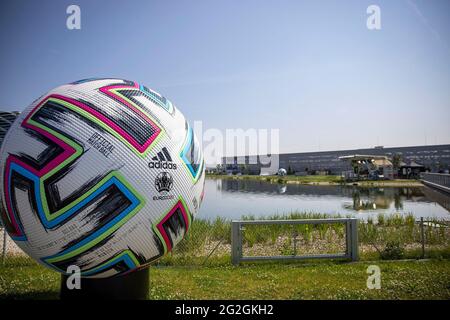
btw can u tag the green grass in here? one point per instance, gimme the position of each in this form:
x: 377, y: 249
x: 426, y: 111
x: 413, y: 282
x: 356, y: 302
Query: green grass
x: 317, y: 180
x: 22, y: 278
x: 215, y: 278
x: 399, y: 280
x: 331, y: 179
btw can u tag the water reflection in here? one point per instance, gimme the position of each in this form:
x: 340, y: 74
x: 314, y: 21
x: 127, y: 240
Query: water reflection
x: 234, y: 198
x: 363, y: 198
x: 380, y: 198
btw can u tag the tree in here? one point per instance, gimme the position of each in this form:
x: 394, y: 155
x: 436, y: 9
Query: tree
x: 243, y: 169
x: 396, y: 160
x: 289, y: 170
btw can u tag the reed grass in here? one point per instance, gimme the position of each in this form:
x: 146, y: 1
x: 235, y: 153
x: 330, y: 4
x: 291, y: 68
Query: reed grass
x: 212, y: 237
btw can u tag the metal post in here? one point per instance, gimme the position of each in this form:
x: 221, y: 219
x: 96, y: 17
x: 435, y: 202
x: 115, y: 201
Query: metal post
x: 354, y: 236
x: 4, y: 246
x: 295, y: 243
x: 422, y: 232
x: 236, y: 251
x: 348, y: 239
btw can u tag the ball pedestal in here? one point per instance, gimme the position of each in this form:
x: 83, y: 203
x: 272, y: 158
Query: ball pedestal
x: 133, y: 286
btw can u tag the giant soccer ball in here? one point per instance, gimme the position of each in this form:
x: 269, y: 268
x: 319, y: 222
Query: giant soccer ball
x: 103, y: 174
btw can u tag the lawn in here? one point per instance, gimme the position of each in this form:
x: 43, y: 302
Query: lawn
x: 283, y: 179
x: 320, y: 180
x: 21, y: 278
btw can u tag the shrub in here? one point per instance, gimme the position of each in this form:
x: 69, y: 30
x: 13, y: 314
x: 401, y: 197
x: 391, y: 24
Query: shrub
x: 392, y: 251
x: 381, y: 219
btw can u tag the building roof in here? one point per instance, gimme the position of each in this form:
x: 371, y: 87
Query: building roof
x: 356, y: 157
x: 412, y: 164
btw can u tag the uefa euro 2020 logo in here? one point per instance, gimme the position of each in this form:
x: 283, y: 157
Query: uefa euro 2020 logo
x: 163, y: 182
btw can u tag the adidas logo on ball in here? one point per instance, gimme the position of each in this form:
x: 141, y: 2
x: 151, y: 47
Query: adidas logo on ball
x: 162, y: 160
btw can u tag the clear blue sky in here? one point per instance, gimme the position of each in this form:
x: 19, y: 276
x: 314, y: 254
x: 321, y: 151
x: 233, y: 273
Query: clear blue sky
x: 310, y: 68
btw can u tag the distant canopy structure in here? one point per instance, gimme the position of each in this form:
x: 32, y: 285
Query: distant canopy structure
x: 368, y: 167
x: 410, y: 170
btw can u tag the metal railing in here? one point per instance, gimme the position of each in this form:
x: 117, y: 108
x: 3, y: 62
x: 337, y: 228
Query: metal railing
x: 351, y: 239
x: 437, y: 180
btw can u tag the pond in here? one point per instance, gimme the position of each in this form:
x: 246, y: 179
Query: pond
x: 232, y: 199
